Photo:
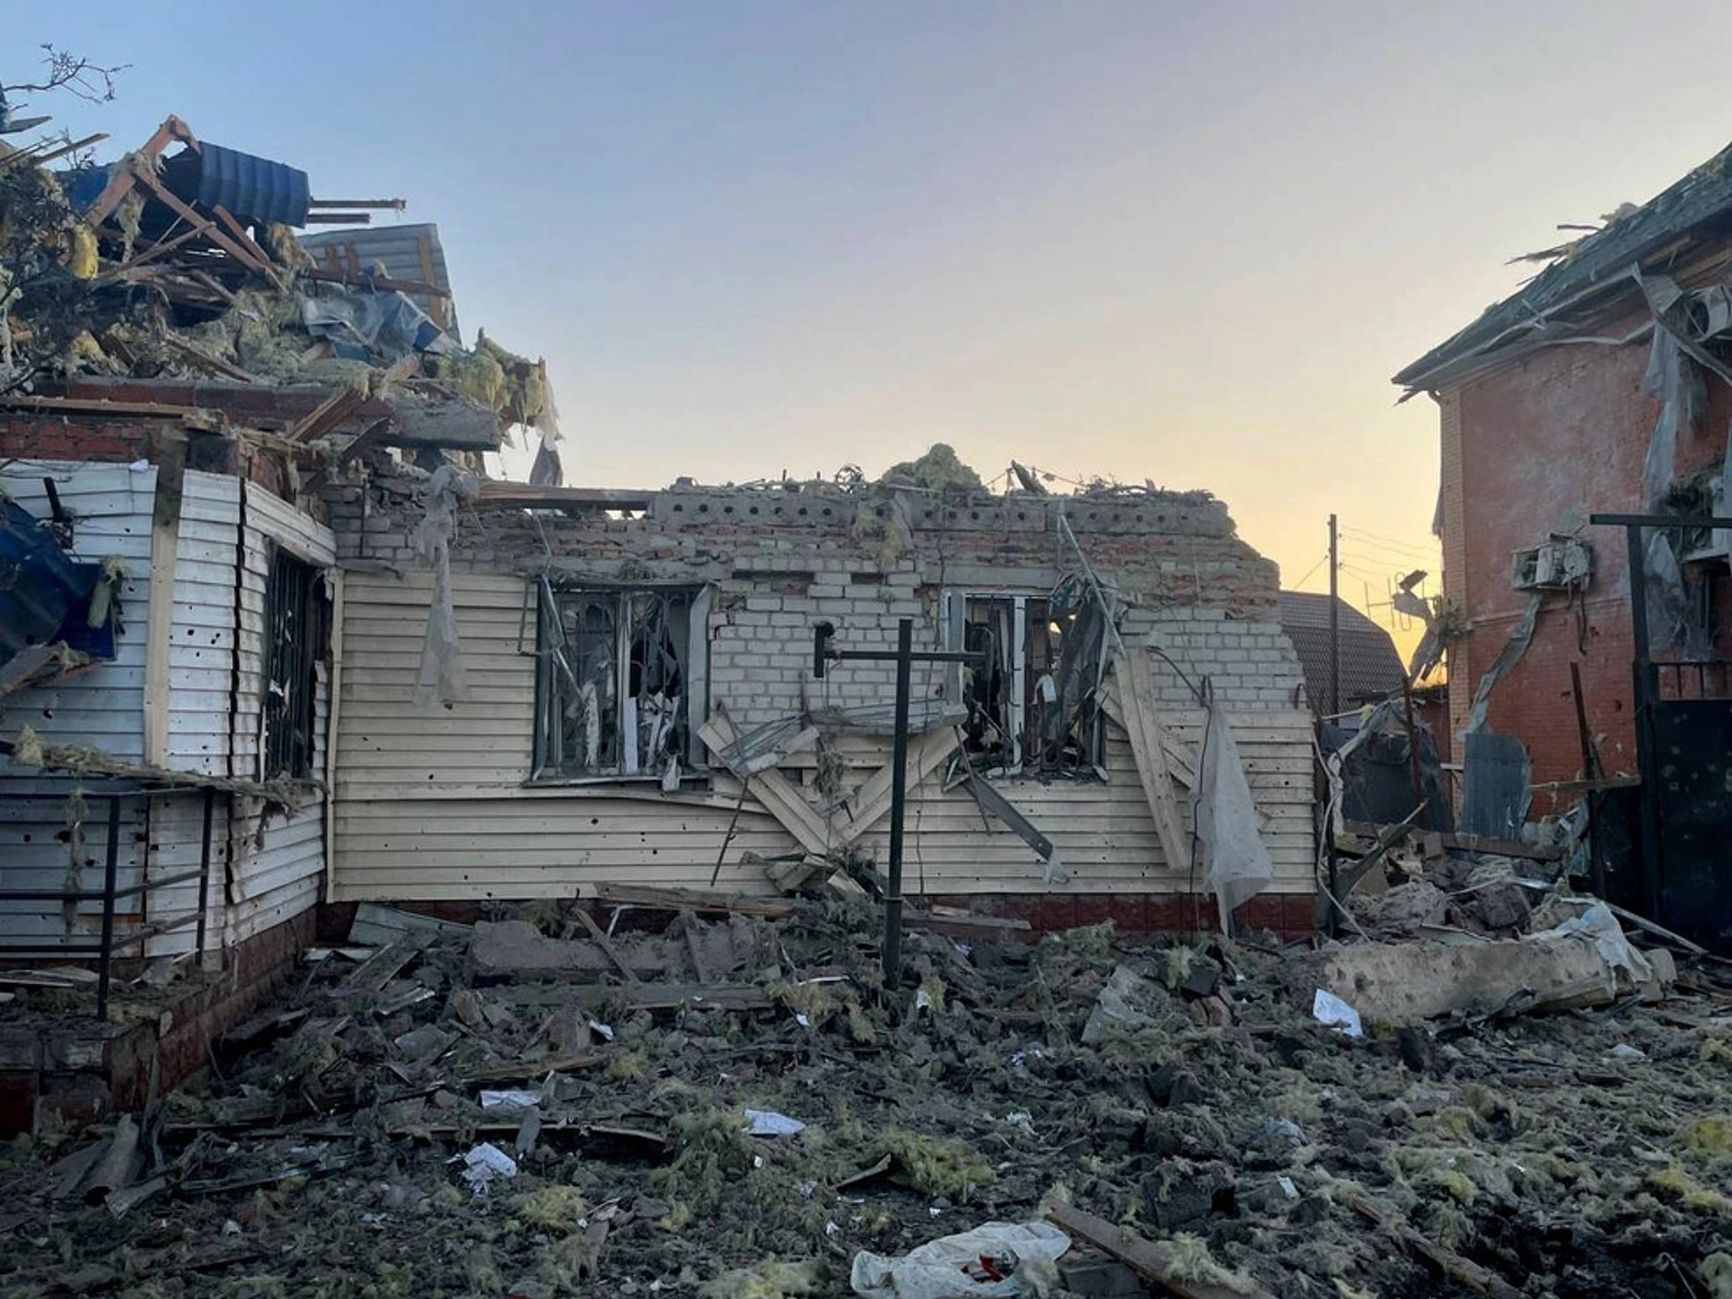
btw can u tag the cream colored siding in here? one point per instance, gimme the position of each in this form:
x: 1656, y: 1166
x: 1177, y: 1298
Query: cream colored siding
x: 434, y: 805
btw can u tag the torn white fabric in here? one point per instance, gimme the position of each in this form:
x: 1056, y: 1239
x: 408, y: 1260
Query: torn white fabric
x: 1520, y: 637
x: 1669, y: 619
x: 440, y: 680
x: 939, y: 1269
x: 1235, y: 859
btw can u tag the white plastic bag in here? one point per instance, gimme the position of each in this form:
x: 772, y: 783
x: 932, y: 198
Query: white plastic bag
x: 935, y: 1270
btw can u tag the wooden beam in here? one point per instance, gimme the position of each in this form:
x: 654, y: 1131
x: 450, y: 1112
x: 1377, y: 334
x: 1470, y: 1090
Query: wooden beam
x: 329, y: 414
x: 1464, y: 1271
x: 190, y: 416
x: 1153, y: 1261
x: 774, y: 790
x: 218, y: 235
x: 120, y: 184
x: 699, y: 900
x: 357, y: 280
x: 501, y: 495
x: 209, y: 360
x: 925, y: 753
x: 1149, y: 747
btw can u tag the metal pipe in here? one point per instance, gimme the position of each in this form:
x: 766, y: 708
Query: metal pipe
x: 110, y: 868
x: 898, y: 799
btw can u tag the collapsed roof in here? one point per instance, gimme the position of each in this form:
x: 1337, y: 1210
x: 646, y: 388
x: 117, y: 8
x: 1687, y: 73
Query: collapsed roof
x: 1662, y: 235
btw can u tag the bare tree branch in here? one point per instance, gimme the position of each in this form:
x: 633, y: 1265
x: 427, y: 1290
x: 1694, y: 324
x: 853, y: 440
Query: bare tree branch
x: 73, y: 73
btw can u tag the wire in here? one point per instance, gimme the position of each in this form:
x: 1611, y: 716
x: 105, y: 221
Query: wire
x: 1387, y: 543
x: 1321, y: 560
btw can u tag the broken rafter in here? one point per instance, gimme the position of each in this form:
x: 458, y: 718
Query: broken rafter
x: 329, y: 414
x: 1153, y: 1261
x: 120, y: 184
x: 361, y: 280
x: 194, y: 417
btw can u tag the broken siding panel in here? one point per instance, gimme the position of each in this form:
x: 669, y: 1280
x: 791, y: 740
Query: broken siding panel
x: 201, y: 636
x: 111, y: 508
x: 275, y: 874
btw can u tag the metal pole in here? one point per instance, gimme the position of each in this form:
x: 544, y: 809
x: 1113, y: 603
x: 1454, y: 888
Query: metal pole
x: 1590, y: 772
x: 1642, y: 683
x: 106, y: 958
x: 1413, y: 754
x: 204, y: 870
x: 1334, y: 621
x: 898, y: 796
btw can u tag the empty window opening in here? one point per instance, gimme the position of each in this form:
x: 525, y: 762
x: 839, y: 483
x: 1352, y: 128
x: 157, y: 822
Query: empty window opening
x: 296, y: 634
x: 1031, y: 699
x: 621, y: 687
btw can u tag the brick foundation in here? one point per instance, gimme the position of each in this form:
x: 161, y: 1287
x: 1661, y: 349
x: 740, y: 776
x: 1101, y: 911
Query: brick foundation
x: 81, y: 1069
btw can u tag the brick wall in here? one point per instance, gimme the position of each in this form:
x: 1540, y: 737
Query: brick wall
x: 781, y: 561
x: 94, y: 438
x: 1536, y: 447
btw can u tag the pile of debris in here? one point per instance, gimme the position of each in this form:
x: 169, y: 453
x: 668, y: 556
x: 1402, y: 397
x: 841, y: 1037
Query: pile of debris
x: 180, y: 261
x: 691, y: 1093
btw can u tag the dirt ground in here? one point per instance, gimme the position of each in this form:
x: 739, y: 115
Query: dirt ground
x: 1586, y: 1153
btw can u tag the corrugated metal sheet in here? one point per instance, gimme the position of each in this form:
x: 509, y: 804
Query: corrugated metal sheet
x: 250, y: 187
x: 409, y: 252
x: 433, y: 805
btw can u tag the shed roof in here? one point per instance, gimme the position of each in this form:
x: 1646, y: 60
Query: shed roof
x: 409, y: 252
x: 1697, y: 205
x: 1370, y: 667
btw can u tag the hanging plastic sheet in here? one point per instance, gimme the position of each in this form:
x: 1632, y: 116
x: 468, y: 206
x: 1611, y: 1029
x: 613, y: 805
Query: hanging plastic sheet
x: 1235, y: 859
x: 1520, y: 637
x: 440, y: 681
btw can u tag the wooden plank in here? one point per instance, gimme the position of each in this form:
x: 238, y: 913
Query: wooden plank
x: 1479, y: 1279
x: 329, y: 414
x: 503, y: 495
x: 774, y: 790
x: 1152, y: 1261
x: 1148, y: 745
x: 925, y: 753
x: 601, y: 940
x: 700, y: 900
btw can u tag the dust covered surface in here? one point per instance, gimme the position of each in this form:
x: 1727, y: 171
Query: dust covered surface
x: 328, y: 1157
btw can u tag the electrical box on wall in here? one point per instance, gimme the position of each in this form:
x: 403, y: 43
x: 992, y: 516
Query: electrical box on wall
x: 1561, y: 563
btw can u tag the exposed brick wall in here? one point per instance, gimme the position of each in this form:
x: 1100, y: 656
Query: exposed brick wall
x: 81, y: 1069
x: 781, y: 561
x: 1543, y: 444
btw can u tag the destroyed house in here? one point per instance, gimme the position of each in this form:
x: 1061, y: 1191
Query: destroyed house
x: 272, y: 645
x: 633, y: 700
x: 1603, y: 386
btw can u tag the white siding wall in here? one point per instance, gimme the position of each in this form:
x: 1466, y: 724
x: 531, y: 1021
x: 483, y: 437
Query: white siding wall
x: 433, y: 805
x: 104, y: 708
x: 213, y: 707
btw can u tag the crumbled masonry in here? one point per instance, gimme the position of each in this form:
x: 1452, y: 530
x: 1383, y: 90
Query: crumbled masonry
x: 1218, y: 1120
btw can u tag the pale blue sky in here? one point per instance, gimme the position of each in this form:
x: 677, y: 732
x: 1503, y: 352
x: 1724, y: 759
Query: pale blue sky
x: 1180, y: 242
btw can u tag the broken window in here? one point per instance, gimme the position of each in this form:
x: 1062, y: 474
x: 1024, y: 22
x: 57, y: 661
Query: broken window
x: 1031, y: 702
x: 295, y: 636
x: 622, y: 685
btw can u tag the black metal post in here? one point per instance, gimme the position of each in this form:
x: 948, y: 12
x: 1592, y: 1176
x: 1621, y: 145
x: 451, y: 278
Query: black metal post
x: 1642, y: 680
x: 1413, y: 775
x: 898, y: 808
x: 204, y: 870
x: 1590, y: 773
x: 111, y: 866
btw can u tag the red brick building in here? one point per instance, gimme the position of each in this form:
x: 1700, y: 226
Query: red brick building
x: 1548, y: 413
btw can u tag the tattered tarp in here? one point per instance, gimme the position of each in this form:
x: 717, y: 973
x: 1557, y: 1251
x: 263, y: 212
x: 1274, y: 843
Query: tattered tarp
x: 1236, y: 861
x: 45, y: 595
x: 1376, y: 779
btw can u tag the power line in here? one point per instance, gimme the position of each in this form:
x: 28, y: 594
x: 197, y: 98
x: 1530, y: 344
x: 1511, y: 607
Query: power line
x: 1321, y: 560
x: 1381, y: 541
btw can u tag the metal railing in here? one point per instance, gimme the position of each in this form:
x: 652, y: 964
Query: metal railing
x: 111, y: 892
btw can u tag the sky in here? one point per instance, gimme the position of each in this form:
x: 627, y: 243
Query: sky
x: 1180, y: 243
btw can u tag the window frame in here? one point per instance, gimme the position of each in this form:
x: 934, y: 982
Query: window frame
x: 954, y: 604
x: 291, y: 750
x: 543, y: 607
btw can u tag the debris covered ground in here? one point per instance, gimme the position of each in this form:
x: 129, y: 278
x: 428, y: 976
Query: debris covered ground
x: 532, y: 1107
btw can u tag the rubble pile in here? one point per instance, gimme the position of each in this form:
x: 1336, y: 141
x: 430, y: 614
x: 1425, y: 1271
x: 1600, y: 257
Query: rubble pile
x: 732, y: 1104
